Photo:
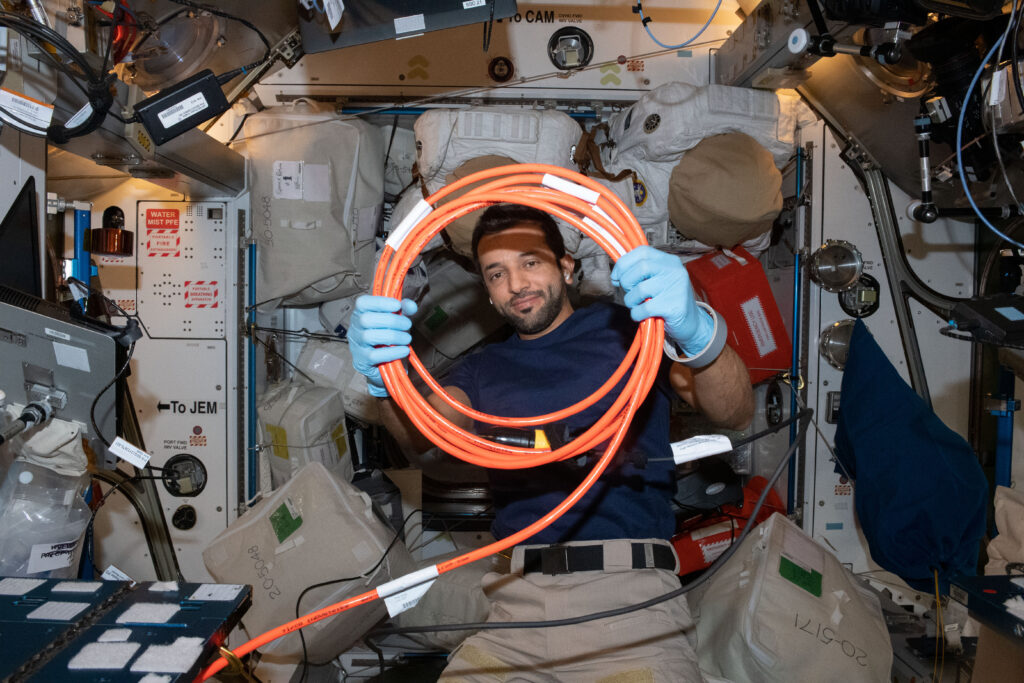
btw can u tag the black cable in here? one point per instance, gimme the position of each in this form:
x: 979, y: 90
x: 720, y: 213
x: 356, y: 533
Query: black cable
x: 282, y: 357
x: 114, y: 21
x: 819, y: 20
x: 804, y: 415
x: 92, y: 408
x: 765, y: 432
x: 237, y: 130
x: 489, y: 26
x: 97, y: 86
x: 368, y: 572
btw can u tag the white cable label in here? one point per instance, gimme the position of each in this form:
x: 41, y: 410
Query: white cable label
x: 997, y: 88
x: 80, y: 116
x: 405, y: 592
x: 420, y: 211
x: 182, y: 110
x: 699, y: 447
x: 112, y: 573
x: 32, y: 112
x: 569, y: 187
x: 129, y: 453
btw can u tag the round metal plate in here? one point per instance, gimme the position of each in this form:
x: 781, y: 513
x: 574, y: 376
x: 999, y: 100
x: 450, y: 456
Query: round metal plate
x: 836, y: 266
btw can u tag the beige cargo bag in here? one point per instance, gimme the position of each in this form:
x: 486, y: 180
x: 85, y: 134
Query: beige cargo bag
x: 725, y: 191
x: 315, y: 528
x: 316, y: 207
x: 783, y: 609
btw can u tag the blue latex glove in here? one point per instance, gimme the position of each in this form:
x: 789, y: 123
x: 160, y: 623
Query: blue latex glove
x: 656, y: 284
x: 379, y: 333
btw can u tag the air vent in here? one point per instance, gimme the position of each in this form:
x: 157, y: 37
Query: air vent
x: 19, y: 299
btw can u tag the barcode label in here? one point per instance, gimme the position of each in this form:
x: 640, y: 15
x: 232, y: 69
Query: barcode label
x: 407, y: 599
x: 183, y: 110
x: 129, y: 453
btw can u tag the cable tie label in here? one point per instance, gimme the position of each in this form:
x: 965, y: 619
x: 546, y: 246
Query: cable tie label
x: 700, y: 447
x: 80, y: 116
x: 129, y: 453
x: 405, y: 592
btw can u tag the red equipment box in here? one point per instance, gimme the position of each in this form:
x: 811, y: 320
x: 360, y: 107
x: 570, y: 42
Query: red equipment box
x: 734, y: 284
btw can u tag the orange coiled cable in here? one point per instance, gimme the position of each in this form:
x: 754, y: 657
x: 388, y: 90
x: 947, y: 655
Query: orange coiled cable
x: 596, y: 212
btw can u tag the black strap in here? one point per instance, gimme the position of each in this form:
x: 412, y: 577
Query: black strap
x: 565, y: 559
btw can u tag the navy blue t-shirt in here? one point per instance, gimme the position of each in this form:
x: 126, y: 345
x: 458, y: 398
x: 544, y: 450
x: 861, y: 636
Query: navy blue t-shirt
x: 522, y: 378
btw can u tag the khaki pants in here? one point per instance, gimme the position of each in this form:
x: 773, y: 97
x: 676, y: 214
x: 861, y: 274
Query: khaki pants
x: 646, y: 646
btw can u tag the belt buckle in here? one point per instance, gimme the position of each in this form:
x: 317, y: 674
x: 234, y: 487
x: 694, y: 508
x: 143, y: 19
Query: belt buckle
x: 554, y: 560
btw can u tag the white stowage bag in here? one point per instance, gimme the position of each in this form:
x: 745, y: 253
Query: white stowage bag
x: 783, y: 609
x: 452, y: 143
x: 317, y: 191
x: 446, y: 138
x: 676, y: 116
x: 315, y: 528
x: 329, y: 364
x: 302, y: 423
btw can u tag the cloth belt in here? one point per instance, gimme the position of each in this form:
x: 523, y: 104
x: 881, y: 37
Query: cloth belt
x: 565, y: 559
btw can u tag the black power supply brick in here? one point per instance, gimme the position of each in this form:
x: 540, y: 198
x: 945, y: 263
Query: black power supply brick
x: 181, y: 107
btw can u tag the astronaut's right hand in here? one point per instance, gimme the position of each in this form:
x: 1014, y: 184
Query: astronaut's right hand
x: 379, y: 333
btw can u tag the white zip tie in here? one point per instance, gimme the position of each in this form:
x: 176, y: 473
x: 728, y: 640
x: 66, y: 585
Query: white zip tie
x: 421, y: 210
x: 408, y: 581
x: 569, y: 187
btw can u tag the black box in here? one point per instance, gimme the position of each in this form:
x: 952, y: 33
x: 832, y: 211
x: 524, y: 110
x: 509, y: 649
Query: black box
x: 181, y: 107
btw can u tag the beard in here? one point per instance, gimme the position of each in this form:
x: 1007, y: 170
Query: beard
x: 538, y: 317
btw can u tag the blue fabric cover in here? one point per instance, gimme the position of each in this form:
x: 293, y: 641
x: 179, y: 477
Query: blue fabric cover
x: 921, y: 494
x: 518, y: 378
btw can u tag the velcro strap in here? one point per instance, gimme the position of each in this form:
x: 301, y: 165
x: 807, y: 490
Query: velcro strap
x: 565, y: 559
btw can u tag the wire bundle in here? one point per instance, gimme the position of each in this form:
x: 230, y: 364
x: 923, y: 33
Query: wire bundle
x: 577, y: 200
x: 598, y: 213
x: 63, y: 56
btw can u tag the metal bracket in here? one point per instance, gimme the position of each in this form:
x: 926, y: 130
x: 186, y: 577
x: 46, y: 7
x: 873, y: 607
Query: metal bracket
x: 903, y: 282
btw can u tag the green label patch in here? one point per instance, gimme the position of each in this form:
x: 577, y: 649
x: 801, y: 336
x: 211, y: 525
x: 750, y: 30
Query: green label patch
x: 809, y: 580
x: 284, y: 522
x: 436, y: 318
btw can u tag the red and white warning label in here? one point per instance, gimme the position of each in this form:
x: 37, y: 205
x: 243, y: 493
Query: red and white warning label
x: 162, y: 238
x: 201, y: 293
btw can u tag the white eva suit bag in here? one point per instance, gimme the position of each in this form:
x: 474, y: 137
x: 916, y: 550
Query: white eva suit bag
x: 447, y: 138
x: 783, y: 609
x: 652, y: 135
x: 317, y: 192
x: 317, y: 527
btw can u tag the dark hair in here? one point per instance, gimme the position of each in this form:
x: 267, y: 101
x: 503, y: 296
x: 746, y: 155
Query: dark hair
x: 500, y: 217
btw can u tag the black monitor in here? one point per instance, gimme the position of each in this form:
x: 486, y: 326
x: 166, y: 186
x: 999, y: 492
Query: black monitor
x: 47, y: 349
x: 367, y: 21
x: 20, y: 251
